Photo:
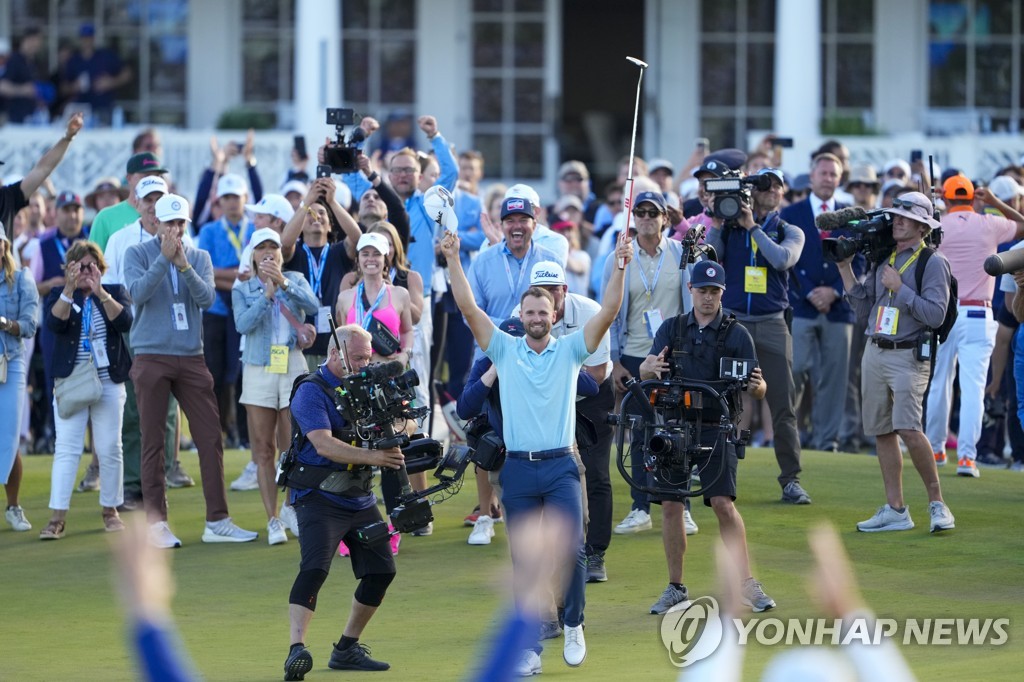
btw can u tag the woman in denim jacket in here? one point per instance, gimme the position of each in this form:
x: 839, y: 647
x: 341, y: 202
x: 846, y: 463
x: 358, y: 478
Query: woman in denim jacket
x: 269, y: 308
x: 19, y: 303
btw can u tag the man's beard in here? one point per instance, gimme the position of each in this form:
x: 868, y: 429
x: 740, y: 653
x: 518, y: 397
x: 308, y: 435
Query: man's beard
x: 544, y: 330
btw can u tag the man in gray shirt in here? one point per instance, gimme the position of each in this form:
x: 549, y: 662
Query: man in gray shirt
x: 895, y: 367
x: 170, y: 285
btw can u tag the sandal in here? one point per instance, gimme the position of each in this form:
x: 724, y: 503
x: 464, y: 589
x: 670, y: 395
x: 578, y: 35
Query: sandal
x: 112, y: 522
x: 54, y: 531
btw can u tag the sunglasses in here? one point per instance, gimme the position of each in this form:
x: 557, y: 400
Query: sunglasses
x: 907, y: 205
x: 650, y: 213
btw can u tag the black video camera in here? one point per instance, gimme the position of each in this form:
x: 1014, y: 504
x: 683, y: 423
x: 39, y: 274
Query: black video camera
x: 732, y: 192
x: 871, y: 237
x: 379, y: 393
x: 342, y: 155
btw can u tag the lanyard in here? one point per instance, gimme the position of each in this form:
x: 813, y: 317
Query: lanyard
x: 514, y: 286
x: 232, y: 237
x: 87, y: 325
x: 174, y: 279
x: 316, y: 276
x: 364, y: 316
x: 903, y: 268
x: 654, y: 281
x: 61, y: 249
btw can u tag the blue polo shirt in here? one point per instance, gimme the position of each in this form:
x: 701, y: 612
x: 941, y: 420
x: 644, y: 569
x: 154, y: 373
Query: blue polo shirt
x: 538, y: 390
x: 313, y: 410
x: 499, y: 279
x: 224, y: 242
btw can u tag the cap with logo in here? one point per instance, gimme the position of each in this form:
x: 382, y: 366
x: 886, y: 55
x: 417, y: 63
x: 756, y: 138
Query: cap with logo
x: 522, y: 191
x: 147, y: 186
x: 273, y: 205
x: 707, y: 273
x: 513, y: 326
x: 231, y: 184
x: 656, y: 198
x: 68, y: 198
x: 547, y: 273
x: 172, y: 207
x: 720, y: 161
x: 516, y: 205
x: 264, y: 234
x: 374, y: 240
x: 916, y: 206
x: 439, y: 204
x: 145, y: 162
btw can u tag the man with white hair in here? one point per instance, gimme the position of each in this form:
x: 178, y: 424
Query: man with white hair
x: 894, y: 373
x: 170, y: 284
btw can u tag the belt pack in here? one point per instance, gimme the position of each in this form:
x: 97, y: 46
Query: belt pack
x: 348, y: 483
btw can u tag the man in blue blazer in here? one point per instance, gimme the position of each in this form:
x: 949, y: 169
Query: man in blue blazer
x: 822, y: 320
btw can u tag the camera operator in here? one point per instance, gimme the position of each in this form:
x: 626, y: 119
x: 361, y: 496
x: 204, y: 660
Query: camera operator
x: 325, y: 518
x: 894, y: 375
x: 757, y: 255
x: 703, y: 354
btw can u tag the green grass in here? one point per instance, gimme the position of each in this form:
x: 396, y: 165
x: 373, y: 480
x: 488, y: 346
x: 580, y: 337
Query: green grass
x: 61, y: 620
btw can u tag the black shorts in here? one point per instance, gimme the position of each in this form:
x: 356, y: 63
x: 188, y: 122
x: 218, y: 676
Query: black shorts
x: 322, y: 525
x: 717, y: 484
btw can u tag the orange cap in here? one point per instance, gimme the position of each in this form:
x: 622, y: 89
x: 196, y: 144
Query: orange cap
x: 958, y: 187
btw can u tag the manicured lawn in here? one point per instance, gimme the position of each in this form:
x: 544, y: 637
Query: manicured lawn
x: 61, y: 620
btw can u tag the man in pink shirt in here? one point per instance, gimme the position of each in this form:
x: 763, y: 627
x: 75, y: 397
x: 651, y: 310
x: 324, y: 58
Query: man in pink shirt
x: 968, y: 238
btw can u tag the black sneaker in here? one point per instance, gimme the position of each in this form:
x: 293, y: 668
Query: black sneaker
x: 298, y: 663
x: 596, y: 571
x: 356, y: 657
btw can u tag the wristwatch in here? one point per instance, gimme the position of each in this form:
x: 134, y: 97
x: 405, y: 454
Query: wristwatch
x: 285, y: 285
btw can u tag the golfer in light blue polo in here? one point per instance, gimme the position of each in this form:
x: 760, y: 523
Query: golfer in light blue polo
x: 538, y: 395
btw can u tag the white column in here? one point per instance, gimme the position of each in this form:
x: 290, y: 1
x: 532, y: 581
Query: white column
x: 671, y: 84
x: 900, y: 64
x: 443, y: 63
x: 214, y: 61
x: 318, y: 72
x: 797, y: 106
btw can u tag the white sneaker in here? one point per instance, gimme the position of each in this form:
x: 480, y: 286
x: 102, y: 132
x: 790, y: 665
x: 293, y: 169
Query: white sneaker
x: 289, y: 519
x: 575, y: 649
x: 885, y: 519
x: 276, y: 534
x: 689, y: 523
x: 247, y: 480
x: 941, y: 517
x: 483, y: 531
x: 161, y: 537
x: 529, y: 664
x: 636, y: 521
x: 15, y: 516
x: 226, y: 531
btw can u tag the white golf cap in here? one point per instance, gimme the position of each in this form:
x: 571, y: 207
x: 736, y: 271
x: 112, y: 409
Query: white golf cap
x: 655, y: 164
x: 1005, y: 188
x: 172, y: 207
x: 274, y: 205
x: 439, y: 204
x: 342, y: 194
x: 150, y: 184
x: 521, y: 191
x: 294, y: 186
x: 264, y: 234
x: 547, y: 273
x: 231, y: 184
x: 377, y: 241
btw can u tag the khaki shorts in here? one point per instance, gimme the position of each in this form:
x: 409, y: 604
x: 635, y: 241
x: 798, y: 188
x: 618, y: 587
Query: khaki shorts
x: 260, y: 388
x: 892, y: 386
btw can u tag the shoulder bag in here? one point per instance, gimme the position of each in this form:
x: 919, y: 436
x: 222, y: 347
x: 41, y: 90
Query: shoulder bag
x: 77, y: 391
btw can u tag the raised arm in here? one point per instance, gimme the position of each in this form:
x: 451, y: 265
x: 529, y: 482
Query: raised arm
x: 600, y: 323
x: 477, y: 320
x: 46, y: 165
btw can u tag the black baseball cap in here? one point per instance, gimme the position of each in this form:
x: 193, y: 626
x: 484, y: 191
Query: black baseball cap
x: 145, y: 162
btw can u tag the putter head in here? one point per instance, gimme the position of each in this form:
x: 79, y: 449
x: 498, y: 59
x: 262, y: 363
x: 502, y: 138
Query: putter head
x: 641, y: 64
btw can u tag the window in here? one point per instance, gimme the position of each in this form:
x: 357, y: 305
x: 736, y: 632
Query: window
x: 379, y: 55
x: 847, y: 51
x: 737, y: 69
x: 508, y: 86
x: 975, y: 61
x: 268, y: 29
x: 150, y: 36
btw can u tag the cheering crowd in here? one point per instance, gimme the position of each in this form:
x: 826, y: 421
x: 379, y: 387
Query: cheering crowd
x: 210, y: 302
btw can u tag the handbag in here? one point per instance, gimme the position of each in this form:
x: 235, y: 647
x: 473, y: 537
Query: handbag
x: 77, y: 391
x: 383, y: 340
x: 305, y: 333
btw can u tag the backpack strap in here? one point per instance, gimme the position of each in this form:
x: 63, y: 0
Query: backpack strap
x: 298, y: 437
x: 933, y: 342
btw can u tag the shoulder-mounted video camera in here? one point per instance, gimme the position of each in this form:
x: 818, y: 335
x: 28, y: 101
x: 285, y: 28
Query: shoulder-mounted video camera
x: 341, y: 155
x: 870, y: 234
x: 731, y: 192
